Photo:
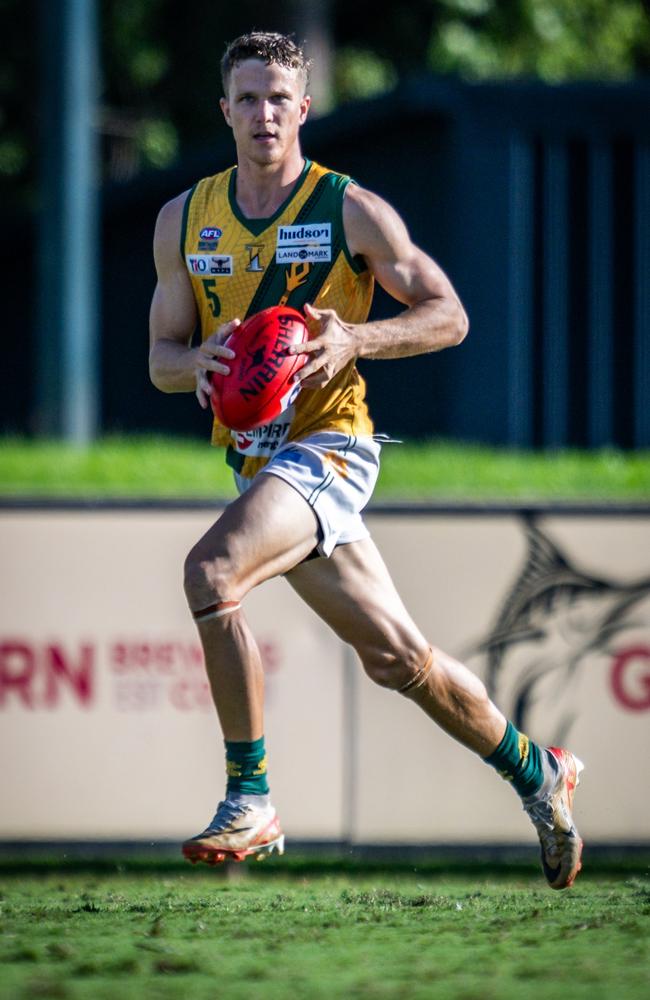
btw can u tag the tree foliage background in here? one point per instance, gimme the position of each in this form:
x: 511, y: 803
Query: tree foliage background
x: 160, y: 62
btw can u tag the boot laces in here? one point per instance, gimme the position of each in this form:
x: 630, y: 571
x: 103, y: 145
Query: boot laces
x: 227, y: 812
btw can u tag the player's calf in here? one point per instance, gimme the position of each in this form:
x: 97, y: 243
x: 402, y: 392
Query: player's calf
x: 545, y: 779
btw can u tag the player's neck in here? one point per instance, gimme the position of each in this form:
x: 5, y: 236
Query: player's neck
x: 261, y: 188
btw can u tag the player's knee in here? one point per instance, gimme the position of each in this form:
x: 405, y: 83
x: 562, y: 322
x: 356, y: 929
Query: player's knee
x: 394, y: 670
x: 208, y: 580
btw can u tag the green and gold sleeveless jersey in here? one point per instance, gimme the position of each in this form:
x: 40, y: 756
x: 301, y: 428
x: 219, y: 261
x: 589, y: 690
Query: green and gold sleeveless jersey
x: 238, y: 266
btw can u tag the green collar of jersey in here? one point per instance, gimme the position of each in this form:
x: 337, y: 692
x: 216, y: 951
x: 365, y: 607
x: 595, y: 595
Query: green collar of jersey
x: 257, y: 226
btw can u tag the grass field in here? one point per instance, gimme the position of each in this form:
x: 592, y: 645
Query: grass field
x: 155, y: 467
x: 277, y: 933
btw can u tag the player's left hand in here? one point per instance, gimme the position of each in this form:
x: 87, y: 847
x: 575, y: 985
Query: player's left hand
x: 329, y: 350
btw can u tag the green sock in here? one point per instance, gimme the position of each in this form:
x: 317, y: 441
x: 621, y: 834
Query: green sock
x: 519, y: 760
x: 246, y: 767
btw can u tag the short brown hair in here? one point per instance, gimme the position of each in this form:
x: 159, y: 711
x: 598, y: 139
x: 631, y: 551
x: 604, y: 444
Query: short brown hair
x: 269, y: 47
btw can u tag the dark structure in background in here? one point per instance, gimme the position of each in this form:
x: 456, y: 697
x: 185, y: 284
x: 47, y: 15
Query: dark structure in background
x: 536, y: 200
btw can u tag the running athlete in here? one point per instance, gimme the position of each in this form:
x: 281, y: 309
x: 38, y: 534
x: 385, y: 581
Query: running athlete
x: 275, y: 229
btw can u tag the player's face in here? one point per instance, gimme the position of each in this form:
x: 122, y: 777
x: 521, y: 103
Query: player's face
x: 265, y: 108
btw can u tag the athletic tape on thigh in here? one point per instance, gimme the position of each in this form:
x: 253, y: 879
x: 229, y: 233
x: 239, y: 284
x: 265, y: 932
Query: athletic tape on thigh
x: 217, y: 610
x: 420, y: 677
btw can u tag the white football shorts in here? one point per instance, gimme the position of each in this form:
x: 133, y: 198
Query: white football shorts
x: 336, y: 474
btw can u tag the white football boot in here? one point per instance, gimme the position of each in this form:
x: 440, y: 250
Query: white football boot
x: 240, y: 828
x: 551, y: 815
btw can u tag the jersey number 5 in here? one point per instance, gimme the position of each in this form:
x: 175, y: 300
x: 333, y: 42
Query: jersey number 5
x: 209, y: 286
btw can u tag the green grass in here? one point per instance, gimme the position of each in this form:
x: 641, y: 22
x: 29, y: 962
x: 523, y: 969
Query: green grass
x: 276, y: 935
x: 164, y: 467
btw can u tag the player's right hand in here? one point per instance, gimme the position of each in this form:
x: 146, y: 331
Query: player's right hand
x: 207, y: 359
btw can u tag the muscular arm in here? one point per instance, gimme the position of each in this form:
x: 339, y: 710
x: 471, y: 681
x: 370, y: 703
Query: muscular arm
x: 174, y: 365
x: 173, y: 311
x: 434, y: 317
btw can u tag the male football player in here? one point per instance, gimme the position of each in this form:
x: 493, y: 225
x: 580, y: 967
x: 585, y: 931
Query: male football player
x: 279, y: 229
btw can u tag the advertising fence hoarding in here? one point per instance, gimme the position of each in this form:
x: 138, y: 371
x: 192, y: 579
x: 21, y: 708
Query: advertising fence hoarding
x: 107, y: 730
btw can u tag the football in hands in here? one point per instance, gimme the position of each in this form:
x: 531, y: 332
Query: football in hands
x: 261, y: 382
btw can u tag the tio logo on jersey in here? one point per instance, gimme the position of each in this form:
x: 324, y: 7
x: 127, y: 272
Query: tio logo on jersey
x: 205, y: 264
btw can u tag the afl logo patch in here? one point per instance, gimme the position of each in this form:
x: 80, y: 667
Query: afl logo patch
x: 210, y: 233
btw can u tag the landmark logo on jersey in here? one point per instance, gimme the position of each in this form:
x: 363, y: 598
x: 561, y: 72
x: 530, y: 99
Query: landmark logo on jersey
x: 203, y: 265
x: 308, y: 242
x: 315, y: 255
x: 255, y: 257
x: 209, y: 237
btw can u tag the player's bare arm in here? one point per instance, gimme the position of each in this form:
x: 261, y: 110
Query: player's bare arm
x: 434, y: 319
x: 174, y: 365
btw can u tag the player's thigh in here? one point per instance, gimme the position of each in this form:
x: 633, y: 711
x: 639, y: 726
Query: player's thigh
x: 353, y: 592
x: 263, y: 533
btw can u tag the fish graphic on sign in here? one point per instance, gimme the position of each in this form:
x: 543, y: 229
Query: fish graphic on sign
x: 555, y: 622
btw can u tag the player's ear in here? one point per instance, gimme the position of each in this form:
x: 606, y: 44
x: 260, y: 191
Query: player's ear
x: 305, y: 102
x: 225, y: 107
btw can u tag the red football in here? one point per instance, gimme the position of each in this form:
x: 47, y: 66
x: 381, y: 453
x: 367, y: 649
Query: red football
x: 260, y: 385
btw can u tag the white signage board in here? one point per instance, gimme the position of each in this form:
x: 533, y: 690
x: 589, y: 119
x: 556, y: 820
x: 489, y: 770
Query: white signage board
x: 107, y: 730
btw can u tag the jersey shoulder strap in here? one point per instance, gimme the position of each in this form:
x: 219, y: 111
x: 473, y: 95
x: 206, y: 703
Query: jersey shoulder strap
x: 208, y: 192
x: 307, y: 246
